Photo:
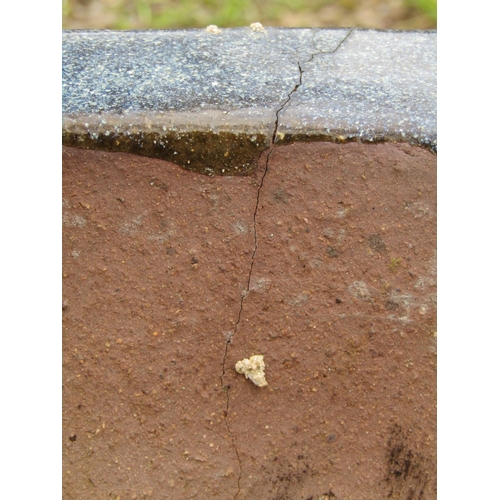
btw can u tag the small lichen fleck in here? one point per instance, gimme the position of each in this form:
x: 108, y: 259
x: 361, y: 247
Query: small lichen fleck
x: 212, y: 28
x: 257, y: 27
x: 253, y: 368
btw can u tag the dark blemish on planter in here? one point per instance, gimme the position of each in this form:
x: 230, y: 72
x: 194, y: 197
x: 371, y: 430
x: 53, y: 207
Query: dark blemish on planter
x: 331, y: 438
x: 155, y: 182
x: 390, y: 305
x: 332, y: 252
x: 209, y: 153
x: 407, y: 470
x: 73, y: 437
x: 329, y: 495
x: 338, y: 301
x: 281, y: 196
x: 376, y: 243
x: 329, y: 352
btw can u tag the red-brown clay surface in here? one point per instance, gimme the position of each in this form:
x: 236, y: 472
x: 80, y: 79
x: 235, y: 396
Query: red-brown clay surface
x: 341, y: 303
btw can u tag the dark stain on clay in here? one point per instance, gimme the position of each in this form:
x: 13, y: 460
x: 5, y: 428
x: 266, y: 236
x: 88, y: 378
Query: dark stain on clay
x: 407, y: 469
x: 203, y: 152
x: 376, y: 243
x: 208, y: 153
x: 288, y: 477
x: 329, y: 495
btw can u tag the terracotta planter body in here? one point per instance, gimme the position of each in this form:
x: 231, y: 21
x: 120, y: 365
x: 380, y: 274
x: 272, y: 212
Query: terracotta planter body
x: 322, y: 258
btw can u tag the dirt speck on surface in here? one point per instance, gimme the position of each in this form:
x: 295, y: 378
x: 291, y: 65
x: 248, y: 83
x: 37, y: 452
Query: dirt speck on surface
x: 341, y: 301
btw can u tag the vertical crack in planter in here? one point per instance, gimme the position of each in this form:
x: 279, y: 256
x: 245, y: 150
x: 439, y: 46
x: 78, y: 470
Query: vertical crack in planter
x: 274, y: 140
x: 224, y: 386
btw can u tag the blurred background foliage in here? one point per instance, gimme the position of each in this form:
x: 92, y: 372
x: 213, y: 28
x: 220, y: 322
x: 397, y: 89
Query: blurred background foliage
x: 172, y: 14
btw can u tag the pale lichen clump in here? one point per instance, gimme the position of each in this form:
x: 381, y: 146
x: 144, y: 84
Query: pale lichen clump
x: 257, y: 27
x: 253, y: 368
x: 213, y: 29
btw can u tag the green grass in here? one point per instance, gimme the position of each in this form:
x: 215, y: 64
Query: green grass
x: 427, y: 7
x: 165, y: 14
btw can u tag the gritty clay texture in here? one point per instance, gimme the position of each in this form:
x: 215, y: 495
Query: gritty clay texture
x: 254, y: 369
x: 323, y: 261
